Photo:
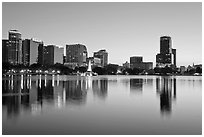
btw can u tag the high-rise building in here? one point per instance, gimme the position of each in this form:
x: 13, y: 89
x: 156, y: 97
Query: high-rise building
x: 164, y: 58
x: 30, y: 51
x: 95, y: 62
x: 64, y: 59
x: 76, y: 55
x: 174, y: 56
x: 53, y: 55
x: 15, y: 47
x: 5, y: 49
x: 103, y: 55
x: 147, y: 65
x: 41, y: 54
x: 137, y: 62
x: 136, y: 59
x: 58, y: 55
x: 165, y: 44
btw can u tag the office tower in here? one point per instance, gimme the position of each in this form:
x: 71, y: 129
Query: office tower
x: 103, y: 55
x: 164, y: 58
x: 165, y: 45
x: 41, y: 54
x: 30, y: 48
x: 15, y: 47
x: 95, y: 62
x: 30, y: 51
x: 137, y: 62
x: 136, y: 59
x: 5, y: 48
x: 76, y: 55
x: 147, y: 65
x: 64, y: 59
x: 174, y: 56
x: 53, y: 55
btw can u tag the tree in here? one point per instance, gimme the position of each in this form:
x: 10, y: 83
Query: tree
x: 99, y: 70
x: 150, y: 71
x: 6, y: 66
x: 35, y: 66
x: 111, y: 69
x: 82, y: 69
x: 157, y: 70
x: 191, y: 71
x: 166, y: 70
x: 198, y: 70
x: 127, y: 71
x: 136, y: 71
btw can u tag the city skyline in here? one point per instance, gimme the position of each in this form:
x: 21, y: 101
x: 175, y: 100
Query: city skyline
x: 106, y: 26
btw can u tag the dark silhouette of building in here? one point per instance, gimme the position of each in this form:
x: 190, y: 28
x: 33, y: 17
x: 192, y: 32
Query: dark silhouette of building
x: 53, y: 55
x: 64, y: 59
x: 174, y: 54
x: 76, y: 55
x: 164, y: 58
x: 137, y: 62
x: 15, y: 47
x: 95, y: 62
x: 5, y: 49
x: 49, y: 55
x: 30, y: 51
x: 41, y: 54
x: 136, y: 59
x: 103, y: 55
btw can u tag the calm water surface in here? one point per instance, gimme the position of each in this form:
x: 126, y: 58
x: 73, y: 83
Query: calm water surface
x: 102, y: 105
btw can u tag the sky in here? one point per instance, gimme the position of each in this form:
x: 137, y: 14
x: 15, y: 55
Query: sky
x: 123, y: 29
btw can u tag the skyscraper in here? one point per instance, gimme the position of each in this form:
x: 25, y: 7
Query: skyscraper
x: 53, y: 55
x: 76, y: 55
x: 15, y: 47
x: 30, y: 51
x: 103, y: 55
x: 174, y: 54
x: 164, y: 58
x: 5, y: 48
x: 41, y: 54
x: 95, y: 62
x: 165, y: 44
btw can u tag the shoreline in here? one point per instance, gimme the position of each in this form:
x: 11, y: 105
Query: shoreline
x: 32, y: 74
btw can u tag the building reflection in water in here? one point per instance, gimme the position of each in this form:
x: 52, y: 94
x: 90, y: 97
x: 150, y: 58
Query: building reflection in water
x: 21, y: 93
x: 136, y: 85
x: 100, y: 88
x: 75, y: 91
x: 166, y: 88
x: 15, y: 94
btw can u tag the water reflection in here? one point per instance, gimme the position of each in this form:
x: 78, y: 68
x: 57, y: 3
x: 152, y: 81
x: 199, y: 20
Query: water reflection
x: 166, y: 88
x: 100, y: 88
x: 136, y: 85
x: 21, y: 93
x: 36, y: 104
x: 24, y: 93
x: 75, y: 91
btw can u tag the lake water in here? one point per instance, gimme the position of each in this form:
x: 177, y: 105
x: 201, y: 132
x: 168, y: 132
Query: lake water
x: 102, y: 105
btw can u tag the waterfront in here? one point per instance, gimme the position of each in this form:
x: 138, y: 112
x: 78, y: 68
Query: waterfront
x: 101, y: 105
